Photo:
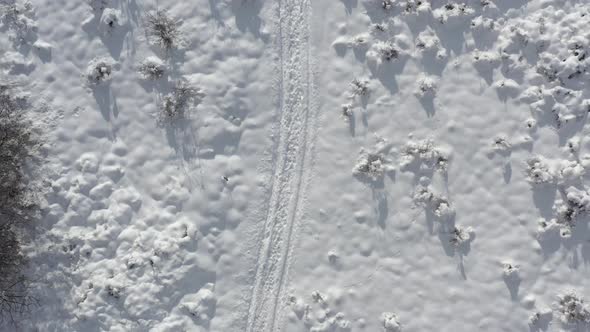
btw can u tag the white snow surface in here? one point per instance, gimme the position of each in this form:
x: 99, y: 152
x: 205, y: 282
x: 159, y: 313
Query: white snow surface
x: 445, y: 190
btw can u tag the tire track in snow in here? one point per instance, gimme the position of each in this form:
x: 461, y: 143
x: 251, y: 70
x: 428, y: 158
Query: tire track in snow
x: 292, y: 163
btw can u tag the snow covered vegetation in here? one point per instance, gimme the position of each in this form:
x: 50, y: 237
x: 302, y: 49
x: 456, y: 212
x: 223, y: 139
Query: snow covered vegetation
x: 18, y: 206
x: 294, y: 165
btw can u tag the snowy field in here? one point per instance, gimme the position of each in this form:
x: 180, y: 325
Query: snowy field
x: 303, y: 165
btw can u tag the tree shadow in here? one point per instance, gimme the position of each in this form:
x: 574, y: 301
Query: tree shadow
x: 247, y: 17
x: 544, y: 198
x: 106, y: 102
x: 44, y: 53
x: 349, y: 5
x: 381, y: 207
x: 351, y: 124
x: 115, y: 38
x: 386, y: 72
x: 543, y: 321
x: 513, y: 284
x: 112, y: 36
x: 427, y: 103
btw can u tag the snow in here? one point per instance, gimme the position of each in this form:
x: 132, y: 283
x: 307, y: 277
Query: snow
x: 294, y: 165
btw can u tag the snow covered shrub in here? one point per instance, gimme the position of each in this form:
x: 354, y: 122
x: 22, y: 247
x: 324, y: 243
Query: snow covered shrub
x: 538, y: 171
x: 390, y: 322
x: 483, y: 24
x: 99, y: 71
x: 531, y: 124
x: 540, y: 318
x: 386, y: 51
x: 572, y: 308
x: 359, y: 42
x: 506, y: 88
x: 428, y: 43
x: 359, y: 87
x: 373, y: 165
x: 453, y: 13
x: 570, y: 170
x: 202, y: 304
x: 110, y: 19
x: 114, y: 291
x: 426, y: 87
x: 17, y: 204
x: 501, y: 144
x: 437, y: 204
x: 386, y: 4
x: 370, y: 165
x: 568, y: 210
x: 484, y: 60
x: 548, y: 228
x: 576, y: 203
x: 573, y: 145
x: 377, y: 28
x: 176, y: 103
x: 510, y: 271
x: 19, y: 21
x: 425, y: 155
x: 416, y: 7
x: 152, y: 68
x: 347, y: 111
x: 163, y: 30
x: 461, y: 236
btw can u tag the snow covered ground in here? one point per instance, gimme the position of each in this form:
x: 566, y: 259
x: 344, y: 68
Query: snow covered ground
x: 298, y: 165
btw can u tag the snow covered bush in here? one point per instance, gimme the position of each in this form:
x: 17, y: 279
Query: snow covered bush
x: 385, y: 51
x: 483, y: 24
x: 540, y: 318
x: 501, y: 144
x: 17, y: 203
x: 453, y: 13
x: 549, y: 228
x: 425, y: 155
x: 386, y: 4
x: 163, y: 30
x: 485, y: 60
x: 152, y: 68
x: 378, y: 28
x: 506, y: 88
x: 99, y: 71
x: 510, y: 271
x: 570, y: 170
x: 390, y: 322
x: 426, y: 87
x: 373, y: 165
x: 575, y: 204
x: 176, y: 103
x: 428, y: 43
x: 19, y: 21
x: 439, y: 205
x: 347, y: 111
x: 572, y: 308
x: 359, y: 87
x: 359, y: 42
x: 110, y: 19
x: 461, y: 236
x: 202, y: 304
x: 538, y: 171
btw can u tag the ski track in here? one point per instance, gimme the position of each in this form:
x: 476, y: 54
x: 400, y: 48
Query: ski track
x: 292, y: 161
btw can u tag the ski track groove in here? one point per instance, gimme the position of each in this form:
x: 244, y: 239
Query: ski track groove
x: 297, y: 120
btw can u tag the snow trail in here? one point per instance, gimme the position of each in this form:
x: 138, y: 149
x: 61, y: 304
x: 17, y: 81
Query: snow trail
x: 291, y: 167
